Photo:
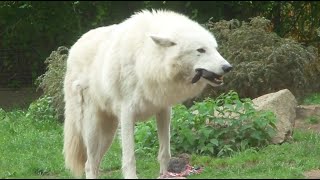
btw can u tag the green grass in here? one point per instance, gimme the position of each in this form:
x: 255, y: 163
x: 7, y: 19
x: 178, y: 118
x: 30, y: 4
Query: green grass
x: 312, y: 99
x: 32, y: 148
x: 29, y: 148
x: 313, y: 119
x: 288, y: 160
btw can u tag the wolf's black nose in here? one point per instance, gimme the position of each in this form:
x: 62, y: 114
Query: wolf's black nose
x: 226, y: 68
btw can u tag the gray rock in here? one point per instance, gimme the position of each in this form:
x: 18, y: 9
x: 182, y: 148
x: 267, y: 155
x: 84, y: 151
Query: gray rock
x: 178, y: 164
x: 283, y: 104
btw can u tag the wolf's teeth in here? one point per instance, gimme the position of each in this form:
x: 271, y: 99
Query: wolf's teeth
x: 218, y: 80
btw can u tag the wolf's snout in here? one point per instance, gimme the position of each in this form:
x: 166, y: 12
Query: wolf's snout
x: 211, y: 76
x: 226, y: 68
x: 208, y: 74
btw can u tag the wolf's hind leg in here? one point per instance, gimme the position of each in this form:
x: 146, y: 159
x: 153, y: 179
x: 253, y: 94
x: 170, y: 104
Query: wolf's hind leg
x: 100, y: 130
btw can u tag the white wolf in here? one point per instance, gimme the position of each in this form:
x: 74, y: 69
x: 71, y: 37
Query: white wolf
x: 120, y: 74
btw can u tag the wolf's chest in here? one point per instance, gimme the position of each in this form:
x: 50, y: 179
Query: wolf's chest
x: 144, y: 111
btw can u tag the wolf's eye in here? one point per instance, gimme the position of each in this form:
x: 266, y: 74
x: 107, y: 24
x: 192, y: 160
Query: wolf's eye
x: 201, y: 50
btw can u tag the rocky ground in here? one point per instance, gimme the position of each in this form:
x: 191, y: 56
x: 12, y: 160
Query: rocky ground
x: 308, y: 118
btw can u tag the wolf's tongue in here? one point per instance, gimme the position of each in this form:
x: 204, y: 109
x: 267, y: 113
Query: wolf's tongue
x: 207, y: 74
x: 197, y: 76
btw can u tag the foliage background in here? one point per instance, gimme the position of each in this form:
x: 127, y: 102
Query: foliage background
x: 39, y: 27
x: 42, y: 32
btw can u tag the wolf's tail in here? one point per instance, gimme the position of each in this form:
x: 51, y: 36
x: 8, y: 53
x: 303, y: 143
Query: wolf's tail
x: 74, y: 149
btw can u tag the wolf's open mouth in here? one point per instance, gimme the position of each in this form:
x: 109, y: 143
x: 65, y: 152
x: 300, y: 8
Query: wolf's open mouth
x: 212, y: 77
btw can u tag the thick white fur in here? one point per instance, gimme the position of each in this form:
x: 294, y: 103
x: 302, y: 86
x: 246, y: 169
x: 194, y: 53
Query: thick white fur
x: 119, y: 74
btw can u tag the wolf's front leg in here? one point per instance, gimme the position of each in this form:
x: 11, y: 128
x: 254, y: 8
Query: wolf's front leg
x: 163, y: 125
x: 127, y: 141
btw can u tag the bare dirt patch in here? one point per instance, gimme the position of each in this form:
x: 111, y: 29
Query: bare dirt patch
x: 304, y: 124
x: 308, y: 119
x: 313, y: 174
x: 17, y: 98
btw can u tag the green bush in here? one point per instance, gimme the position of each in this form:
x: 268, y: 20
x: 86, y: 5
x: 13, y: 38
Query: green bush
x: 41, y: 109
x: 52, y: 81
x: 213, y: 127
x: 146, y: 138
x: 264, y: 62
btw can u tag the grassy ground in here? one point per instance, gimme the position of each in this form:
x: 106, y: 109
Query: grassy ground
x: 312, y: 99
x: 32, y: 148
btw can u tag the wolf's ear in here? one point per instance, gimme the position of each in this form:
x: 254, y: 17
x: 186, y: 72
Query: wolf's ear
x: 161, y: 41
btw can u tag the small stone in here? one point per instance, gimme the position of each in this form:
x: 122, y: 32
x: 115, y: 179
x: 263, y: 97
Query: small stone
x: 178, y: 164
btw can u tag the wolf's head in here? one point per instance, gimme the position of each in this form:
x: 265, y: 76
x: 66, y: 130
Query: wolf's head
x: 191, y: 53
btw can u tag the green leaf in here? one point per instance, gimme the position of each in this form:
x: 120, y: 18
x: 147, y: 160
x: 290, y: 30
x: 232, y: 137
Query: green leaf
x: 214, y: 142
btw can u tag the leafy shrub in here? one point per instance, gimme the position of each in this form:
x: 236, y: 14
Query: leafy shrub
x: 52, y: 81
x: 146, y: 138
x: 213, y: 127
x: 2, y: 114
x: 41, y: 109
x: 264, y: 62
